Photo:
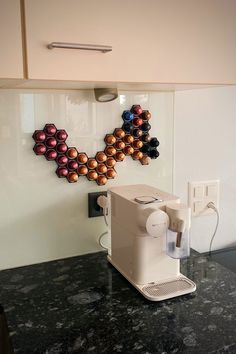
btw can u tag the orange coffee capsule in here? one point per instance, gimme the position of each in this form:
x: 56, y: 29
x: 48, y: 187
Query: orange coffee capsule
x: 72, y: 153
x: 92, y: 175
x: 101, y: 156
x: 102, y: 168
x: 119, y: 145
x: 137, y: 144
x: 119, y: 133
x: 92, y: 163
x: 72, y: 177
x: 101, y: 180
x: 128, y: 150
x: 111, y: 173
x: 82, y: 170
x: 110, y: 139
x: 119, y: 156
x: 82, y: 158
x: 110, y: 151
x: 110, y: 162
x: 145, y: 160
x: 137, y: 155
x: 128, y: 139
x: 146, y: 115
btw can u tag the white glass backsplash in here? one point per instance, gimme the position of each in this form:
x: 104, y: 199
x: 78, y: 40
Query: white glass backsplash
x: 43, y: 217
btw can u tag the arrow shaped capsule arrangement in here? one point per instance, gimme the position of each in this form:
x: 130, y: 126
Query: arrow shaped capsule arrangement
x: 132, y: 139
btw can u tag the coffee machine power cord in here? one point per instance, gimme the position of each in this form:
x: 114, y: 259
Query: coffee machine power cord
x: 212, y: 206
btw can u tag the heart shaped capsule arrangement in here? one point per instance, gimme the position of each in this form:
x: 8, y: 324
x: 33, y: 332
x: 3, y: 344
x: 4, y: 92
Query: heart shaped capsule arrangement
x: 132, y: 139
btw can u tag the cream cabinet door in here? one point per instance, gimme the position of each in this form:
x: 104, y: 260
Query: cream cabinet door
x: 166, y: 41
x: 11, y: 58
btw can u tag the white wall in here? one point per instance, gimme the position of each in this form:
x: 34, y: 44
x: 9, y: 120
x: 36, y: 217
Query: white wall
x: 43, y: 217
x: 205, y: 148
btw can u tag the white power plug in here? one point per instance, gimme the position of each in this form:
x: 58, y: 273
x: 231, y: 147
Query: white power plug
x: 102, y: 201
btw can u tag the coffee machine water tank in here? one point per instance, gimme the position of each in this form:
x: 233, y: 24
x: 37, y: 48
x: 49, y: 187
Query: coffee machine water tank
x: 172, y: 225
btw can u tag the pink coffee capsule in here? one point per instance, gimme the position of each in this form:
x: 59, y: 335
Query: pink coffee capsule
x: 73, y: 165
x: 40, y: 149
x: 51, y: 155
x: 51, y: 142
x: 61, y: 135
x: 50, y: 129
x: 39, y: 136
x: 61, y: 148
x: 136, y: 109
x: 62, y: 172
x: 62, y: 160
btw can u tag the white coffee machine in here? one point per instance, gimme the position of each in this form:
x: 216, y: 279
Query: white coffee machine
x: 149, y: 231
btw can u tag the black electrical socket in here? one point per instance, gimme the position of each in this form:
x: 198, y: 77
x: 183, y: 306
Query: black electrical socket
x: 93, y: 208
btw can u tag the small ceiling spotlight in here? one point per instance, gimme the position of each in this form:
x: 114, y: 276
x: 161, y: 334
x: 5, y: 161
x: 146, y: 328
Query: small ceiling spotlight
x: 105, y: 94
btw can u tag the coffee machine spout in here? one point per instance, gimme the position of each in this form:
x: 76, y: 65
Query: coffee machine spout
x: 177, y: 238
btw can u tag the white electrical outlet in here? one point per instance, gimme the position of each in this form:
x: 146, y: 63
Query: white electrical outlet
x: 200, y: 194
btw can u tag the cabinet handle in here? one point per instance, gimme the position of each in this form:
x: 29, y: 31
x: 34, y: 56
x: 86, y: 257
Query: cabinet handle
x: 99, y: 48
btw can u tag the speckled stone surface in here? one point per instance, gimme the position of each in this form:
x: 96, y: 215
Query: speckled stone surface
x: 83, y: 305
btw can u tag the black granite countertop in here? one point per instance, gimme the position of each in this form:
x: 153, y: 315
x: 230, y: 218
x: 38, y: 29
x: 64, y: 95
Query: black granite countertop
x: 83, y: 305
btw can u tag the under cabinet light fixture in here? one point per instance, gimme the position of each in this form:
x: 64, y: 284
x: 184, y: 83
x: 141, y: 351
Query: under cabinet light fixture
x: 105, y: 94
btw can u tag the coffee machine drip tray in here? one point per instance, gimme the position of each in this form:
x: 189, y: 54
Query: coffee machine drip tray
x: 162, y: 289
x: 168, y: 289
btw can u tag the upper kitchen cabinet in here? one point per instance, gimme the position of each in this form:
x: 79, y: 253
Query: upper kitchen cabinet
x: 11, y: 57
x: 162, y: 41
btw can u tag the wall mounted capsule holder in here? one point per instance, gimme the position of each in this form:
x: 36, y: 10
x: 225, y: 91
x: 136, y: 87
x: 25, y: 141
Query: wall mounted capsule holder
x: 132, y: 139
